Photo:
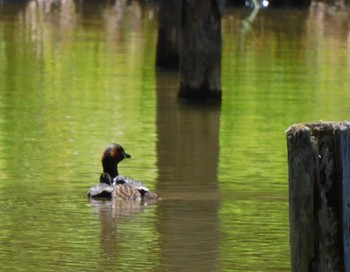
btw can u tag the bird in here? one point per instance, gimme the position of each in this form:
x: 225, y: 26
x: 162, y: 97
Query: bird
x: 115, y: 186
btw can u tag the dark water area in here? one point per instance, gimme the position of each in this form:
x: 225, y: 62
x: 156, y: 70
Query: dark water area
x: 78, y: 75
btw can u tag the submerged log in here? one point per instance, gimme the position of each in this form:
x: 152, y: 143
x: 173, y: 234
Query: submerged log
x: 200, y: 50
x: 319, y: 196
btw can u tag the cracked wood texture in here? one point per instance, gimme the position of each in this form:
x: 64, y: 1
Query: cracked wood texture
x: 319, y: 196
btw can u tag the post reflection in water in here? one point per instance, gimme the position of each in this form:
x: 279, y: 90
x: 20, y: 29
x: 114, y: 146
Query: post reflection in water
x: 188, y: 151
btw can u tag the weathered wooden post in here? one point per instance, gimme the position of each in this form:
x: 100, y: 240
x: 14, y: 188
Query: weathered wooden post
x: 200, y: 50
x: 168, y: 43
x: 319, y: 196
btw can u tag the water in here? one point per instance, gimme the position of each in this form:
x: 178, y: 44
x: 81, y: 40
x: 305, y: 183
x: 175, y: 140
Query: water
x: 75, y: 77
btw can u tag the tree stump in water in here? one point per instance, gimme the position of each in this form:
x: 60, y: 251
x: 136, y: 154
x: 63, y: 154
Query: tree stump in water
x: 200, y: 51
x: 319, y: 196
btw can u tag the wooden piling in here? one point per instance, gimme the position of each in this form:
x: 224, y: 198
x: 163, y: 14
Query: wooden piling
x: 200, y: 51
x: 319, y: 196
x: 168, y: 41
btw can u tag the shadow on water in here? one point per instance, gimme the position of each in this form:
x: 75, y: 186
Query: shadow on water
x: 188, y: 151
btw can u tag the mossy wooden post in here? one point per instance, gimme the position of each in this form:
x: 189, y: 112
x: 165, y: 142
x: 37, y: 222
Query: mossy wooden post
x: 319, y: 196
x: 200, y: 51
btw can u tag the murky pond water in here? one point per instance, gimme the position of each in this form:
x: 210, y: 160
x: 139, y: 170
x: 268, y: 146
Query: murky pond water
x: 75, y: 76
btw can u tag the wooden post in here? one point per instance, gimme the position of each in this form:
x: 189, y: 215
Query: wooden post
x: 168, y: 43
x: 200, y: 51
x: 319, y: 196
